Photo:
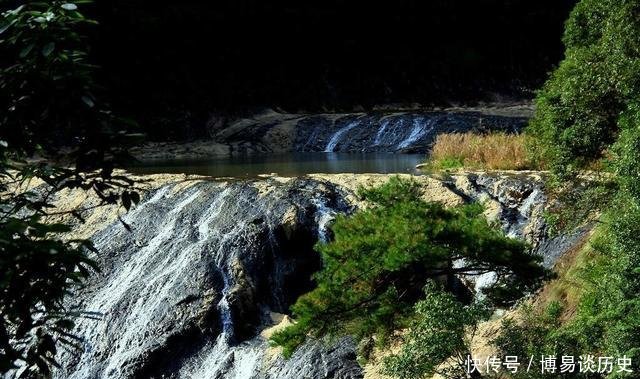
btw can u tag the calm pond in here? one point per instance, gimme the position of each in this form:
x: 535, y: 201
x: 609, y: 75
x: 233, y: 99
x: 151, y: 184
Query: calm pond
x: 293, y: 164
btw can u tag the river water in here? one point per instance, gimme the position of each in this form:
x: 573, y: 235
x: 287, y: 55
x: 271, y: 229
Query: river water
x: 288, y: 165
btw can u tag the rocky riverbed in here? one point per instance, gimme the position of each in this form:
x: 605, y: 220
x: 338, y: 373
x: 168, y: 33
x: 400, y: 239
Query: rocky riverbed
x: 211, y: 267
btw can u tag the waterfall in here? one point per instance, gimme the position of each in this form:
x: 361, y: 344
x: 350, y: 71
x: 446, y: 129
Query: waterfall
x: 421, y: 126
x: 195, y: 251
x: 152, y: 275
x: 392, y: 133
x: 524, y: 213
x: 335, y: 139
x: 383, y: 127
x: 220, y: 360
x: 189, y: 293
x: 324, y: 216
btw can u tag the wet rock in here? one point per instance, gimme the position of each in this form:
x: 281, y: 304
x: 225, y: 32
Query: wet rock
x: 204, y: 260
x: 516, y: 201
x: 408, y: 132
x: 187, y: 293
x: 315, y: 360
x: 243, y: 303
x: 554, y: 248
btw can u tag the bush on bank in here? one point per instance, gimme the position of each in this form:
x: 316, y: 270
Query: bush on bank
x: 381, y: 258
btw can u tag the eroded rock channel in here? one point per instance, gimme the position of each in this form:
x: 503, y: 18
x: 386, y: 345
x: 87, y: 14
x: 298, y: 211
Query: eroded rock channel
x: 210, y: 266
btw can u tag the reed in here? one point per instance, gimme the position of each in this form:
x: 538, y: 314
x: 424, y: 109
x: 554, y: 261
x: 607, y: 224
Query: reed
x: 494, y: 151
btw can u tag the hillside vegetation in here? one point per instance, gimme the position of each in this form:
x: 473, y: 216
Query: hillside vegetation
x: 588, y: 112
x: 587, y: 117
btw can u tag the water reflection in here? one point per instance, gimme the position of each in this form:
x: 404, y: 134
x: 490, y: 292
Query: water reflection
x: 293, y: 164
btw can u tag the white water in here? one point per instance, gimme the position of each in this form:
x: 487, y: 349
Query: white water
x: 324, y: 216
x: 383, y: 127
x: 525, y: 211
x: 186, y: 263
x: 335, y: 139
x: 154, y: 282
x: 237, y: 362
x: 242, y: 361
x: 392, y: 131
x: 421, y: 126
x: 484, y: 281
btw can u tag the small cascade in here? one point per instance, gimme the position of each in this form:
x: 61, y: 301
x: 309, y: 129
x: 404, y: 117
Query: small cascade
x: 225, y: 311
x: 324, y: 216
x: 336, y: 138
x: 482, y: 282
x: 421, y: 126
x: 153, y: 273
x: 394, y: 133
x: 380, y: 133
x: 390, y: 132
x: 221, y: 360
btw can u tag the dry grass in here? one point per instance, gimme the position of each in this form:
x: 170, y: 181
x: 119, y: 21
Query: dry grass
x: 495, y: 151
x: 568, y: 285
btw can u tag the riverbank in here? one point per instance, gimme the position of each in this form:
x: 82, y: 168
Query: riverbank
x: 390, y: 131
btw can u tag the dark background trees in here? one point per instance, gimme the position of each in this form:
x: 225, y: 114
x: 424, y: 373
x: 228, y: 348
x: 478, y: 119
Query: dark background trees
x: 172, y: 63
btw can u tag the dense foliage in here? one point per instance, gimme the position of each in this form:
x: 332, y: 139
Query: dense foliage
x: 587, y: 111
x: 441, y: 331
x: 48, y: 91
x: 579, y: 110
x: 535, y: 334
x: 605, y: 319
x: 49, y: 112
x: 381, y: 258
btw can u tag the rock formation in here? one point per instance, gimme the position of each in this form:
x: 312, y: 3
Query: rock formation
x: 192, y: 291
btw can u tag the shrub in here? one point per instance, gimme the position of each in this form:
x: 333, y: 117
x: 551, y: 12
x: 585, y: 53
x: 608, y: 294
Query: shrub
x: 579, y: 202
x: 536, y: 333
x: 442, y: 328
x: 382, y: 257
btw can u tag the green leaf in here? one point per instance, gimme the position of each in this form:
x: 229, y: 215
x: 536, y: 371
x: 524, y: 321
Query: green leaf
x: 69, y: 6
x: 26, y: 50
x: 15, y: 11
x: 48, y: 49
x: 6, y: 25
